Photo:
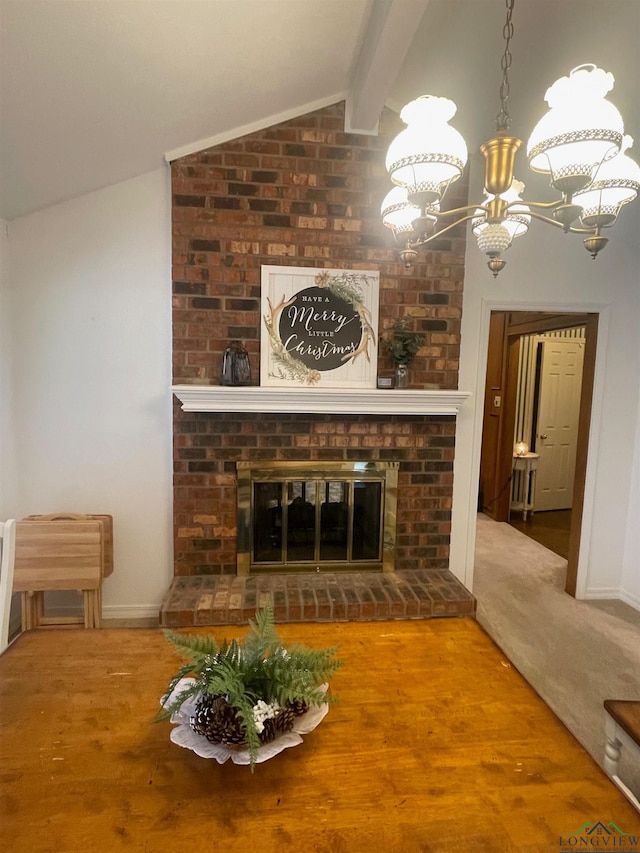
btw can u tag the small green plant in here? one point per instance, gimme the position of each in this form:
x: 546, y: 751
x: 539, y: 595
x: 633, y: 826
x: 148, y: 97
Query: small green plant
x: 402, y: 343
x: 248, y: 692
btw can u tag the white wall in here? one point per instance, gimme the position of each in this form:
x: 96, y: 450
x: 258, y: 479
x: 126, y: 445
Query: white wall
x: 548, y: 270
x: 7, y: 456
x: 90, y: 289
x: 630, y: 583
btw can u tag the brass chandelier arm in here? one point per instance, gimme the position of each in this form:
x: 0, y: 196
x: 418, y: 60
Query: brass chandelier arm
x: 547, y: 205
x: 474, y: 208
x: 422, y: 241
x: 573, y: 229
x: 472, y: 213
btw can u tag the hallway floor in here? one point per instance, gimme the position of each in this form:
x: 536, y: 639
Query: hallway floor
x: 550, y: 529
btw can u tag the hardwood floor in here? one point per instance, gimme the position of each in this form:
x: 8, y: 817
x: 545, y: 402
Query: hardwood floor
x: 437, y: 744
x: 550, y: 529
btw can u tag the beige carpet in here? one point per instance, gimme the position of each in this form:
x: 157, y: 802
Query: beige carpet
x: 575, y: 654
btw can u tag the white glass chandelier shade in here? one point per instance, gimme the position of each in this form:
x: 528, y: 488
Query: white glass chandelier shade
x: 428, y: 154
x: 397, y: 212
x: 581, y: 130
x: 518, y: 218
x: 616, y: 182
x: 402, y: 216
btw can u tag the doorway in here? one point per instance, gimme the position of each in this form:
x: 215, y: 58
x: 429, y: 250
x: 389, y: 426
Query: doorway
x: 510, y: 332
x: 546, y: 429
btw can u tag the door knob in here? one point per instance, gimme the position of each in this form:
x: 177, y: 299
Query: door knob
x: 543, y: 435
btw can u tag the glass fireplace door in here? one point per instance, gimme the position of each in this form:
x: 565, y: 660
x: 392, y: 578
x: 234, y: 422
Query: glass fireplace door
x: 314, y: 521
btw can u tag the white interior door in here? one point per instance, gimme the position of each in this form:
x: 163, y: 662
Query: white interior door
x: 557, y: 422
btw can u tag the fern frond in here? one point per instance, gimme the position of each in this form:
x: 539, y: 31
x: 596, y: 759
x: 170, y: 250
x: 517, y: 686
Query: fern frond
x: 192, y: 646
x: 167, y: 709
x: 319, y: 664
x: 261, y: 636
x: 225, y: 679
x: 245, y: 712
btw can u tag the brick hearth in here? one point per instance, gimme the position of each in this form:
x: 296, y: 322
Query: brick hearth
x: 325, y: 597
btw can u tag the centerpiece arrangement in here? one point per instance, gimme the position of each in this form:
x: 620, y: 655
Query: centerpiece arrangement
x: 245, y: 695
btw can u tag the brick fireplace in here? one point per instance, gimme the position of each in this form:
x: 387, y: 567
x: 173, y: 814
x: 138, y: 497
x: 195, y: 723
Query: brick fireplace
x: 302, y: 193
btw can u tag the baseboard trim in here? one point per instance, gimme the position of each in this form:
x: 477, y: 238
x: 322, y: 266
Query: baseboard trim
x: 602, y: 592
x: 137, y: 611
x: 114, y: 611
x: 630, y: 599
x: 606, y: 593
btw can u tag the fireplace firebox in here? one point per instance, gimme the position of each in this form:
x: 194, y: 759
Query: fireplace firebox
x: 331, y: 516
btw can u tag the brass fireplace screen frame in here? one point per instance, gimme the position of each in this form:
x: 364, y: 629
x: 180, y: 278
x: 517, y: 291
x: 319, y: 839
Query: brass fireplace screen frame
x: 291, y: 475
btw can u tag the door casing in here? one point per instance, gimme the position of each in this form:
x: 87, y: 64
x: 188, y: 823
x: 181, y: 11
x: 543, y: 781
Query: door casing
x: 497, y: 456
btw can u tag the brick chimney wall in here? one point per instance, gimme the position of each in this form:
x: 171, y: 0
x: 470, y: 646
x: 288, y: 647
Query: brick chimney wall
x: 302, y: 193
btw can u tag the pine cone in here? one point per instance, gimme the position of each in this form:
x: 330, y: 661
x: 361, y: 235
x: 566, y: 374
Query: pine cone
x: 284, y: 720
x: 218, y: 721
x: 234, y: 732
x: 298, y: 706
x: 269, y: 731
x: 206, y: 713
x: 274, y: 726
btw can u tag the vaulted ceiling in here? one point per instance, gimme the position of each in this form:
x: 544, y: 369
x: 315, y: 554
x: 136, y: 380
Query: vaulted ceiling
x: 93, y: 92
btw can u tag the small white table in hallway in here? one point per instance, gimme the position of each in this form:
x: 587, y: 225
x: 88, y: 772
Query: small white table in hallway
x: 524, y: 497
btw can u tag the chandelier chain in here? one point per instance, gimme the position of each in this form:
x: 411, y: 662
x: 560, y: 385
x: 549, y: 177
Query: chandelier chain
x: 503, y: 119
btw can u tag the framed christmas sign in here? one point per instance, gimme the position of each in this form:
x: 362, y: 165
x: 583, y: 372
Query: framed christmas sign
x: 319, y: 327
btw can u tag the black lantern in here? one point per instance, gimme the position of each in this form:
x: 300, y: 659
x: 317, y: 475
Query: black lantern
x: 236, y: 369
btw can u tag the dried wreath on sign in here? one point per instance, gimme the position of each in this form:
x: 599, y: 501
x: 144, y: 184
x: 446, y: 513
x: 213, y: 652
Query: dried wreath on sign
x: 346, y: 286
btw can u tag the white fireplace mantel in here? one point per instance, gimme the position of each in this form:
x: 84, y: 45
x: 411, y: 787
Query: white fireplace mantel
x: 326, y: 401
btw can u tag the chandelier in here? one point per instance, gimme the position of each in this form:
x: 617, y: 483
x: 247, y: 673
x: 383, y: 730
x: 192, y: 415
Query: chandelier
x: 580, y: 143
